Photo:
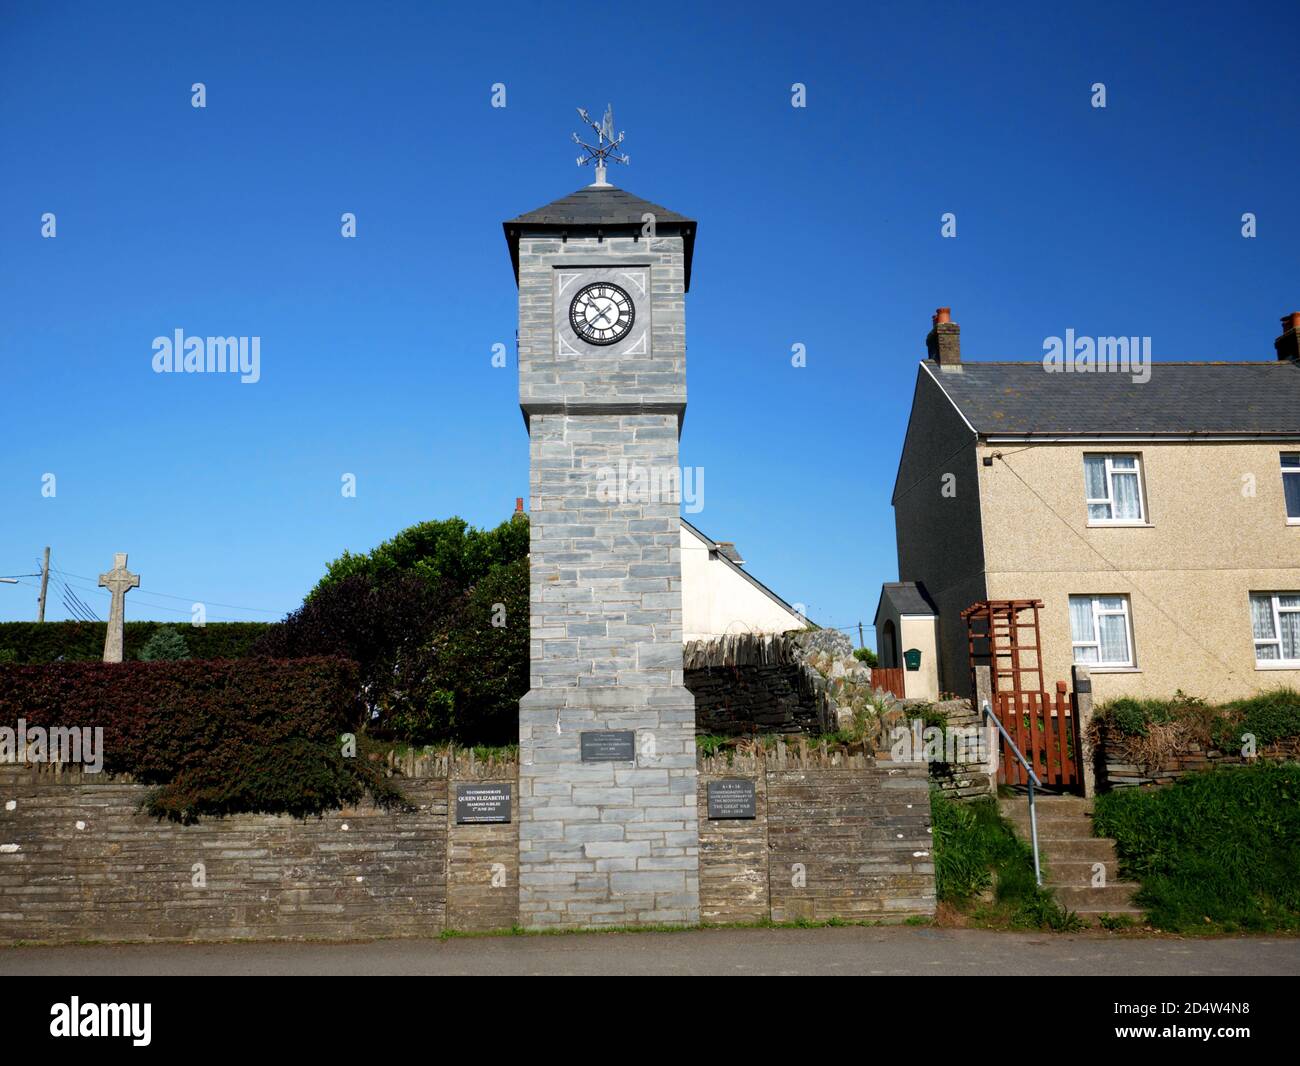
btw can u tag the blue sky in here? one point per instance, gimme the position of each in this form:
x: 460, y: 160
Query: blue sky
x: 818, y: 226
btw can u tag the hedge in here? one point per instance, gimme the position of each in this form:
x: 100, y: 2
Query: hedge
x: 258, y: 735
x: 47, y: 642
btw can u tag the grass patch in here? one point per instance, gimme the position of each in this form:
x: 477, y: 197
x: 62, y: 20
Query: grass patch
x: 977, y: 854
x: 1216, y: 851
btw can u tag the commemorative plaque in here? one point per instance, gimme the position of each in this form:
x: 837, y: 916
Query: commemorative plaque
x: 733, y: 797
x: 614, y: 745
x: 482, y: 803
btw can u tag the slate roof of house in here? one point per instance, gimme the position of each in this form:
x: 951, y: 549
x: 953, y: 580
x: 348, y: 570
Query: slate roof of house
x: 1023, y: 399
x: 906, y: 597
x: 594, y: 207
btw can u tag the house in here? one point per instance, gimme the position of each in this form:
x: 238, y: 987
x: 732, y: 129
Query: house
x: 721, y: 598
x: 1155, y: 515
x: 907, y: 638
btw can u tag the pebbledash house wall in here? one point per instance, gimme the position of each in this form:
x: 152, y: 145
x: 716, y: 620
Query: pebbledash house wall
x: 79, y: 860
x: 1188, y: 573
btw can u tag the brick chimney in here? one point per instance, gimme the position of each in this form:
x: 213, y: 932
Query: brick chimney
x: 1287, y: 346
x: 943, y: 344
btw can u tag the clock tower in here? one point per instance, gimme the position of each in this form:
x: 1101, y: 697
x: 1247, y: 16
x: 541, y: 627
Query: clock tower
x: 608, y: 831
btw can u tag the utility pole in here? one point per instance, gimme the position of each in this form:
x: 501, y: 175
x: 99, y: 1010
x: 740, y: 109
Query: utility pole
x: 861, y: 643
x: 45, y: 580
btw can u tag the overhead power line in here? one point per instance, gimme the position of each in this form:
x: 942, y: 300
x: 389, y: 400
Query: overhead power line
x: 187, y: 599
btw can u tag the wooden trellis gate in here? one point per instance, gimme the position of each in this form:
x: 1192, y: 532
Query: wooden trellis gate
x: 1004, y: 635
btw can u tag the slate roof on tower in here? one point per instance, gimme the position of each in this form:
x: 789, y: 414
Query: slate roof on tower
x: 600, y: 207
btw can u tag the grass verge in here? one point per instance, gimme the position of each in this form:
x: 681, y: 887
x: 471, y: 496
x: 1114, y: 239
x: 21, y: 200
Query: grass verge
x: 1217, y: 851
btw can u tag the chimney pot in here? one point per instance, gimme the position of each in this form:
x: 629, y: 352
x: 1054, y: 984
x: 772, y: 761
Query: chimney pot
x: 943, y: 344
x: 519, y: 505
x: 1287, y: 346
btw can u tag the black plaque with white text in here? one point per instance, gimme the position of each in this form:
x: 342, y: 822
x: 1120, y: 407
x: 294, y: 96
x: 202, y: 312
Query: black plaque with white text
x: 733, y: 797
x: 608, y: 745
x: 482, y: 803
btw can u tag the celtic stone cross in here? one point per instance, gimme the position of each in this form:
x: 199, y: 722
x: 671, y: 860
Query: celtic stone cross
x: 118, y: 581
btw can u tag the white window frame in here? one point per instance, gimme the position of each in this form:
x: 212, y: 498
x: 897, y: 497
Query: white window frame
x: 1278, y: 610
x: 1109, y: 500
x: 1289, y: 471
x: 1097, y: 613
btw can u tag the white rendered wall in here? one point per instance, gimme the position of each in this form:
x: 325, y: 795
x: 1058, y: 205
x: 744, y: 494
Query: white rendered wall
x: 716, y: 600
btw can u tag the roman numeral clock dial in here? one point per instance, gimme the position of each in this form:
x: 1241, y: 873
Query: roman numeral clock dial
x: 601, y: 313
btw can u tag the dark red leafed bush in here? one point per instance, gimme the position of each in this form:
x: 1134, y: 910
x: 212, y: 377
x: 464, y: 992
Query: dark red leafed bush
x: 216, y: 737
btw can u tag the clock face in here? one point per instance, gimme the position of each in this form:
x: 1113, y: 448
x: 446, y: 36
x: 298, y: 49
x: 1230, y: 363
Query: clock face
x: 601, y: 313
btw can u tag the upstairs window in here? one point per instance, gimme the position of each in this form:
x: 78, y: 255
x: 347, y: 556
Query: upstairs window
x: 1113, y: 489
x: 1291, y: 485
x: 1275, y: 620
x: 1101, y: 630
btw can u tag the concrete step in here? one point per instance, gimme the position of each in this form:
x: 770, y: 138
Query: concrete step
x: 1086, y: 900
x: 1052, y: 822
x: 1054, y: 831
x: 1047, y: 807
x: 1135, y: 914
x: 1045, y: 802
x: 1078, y: 871
x: 1082, y: 849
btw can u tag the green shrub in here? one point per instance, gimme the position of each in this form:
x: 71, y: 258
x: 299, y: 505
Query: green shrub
x: 449, y: 551
x: 709, y: 743
x: 866, y: 655
x: 1270, y: 716
x: 1219, y: 848
x: 166, y: 645
x: 481, y: 656
x: 427, y: 721
x: 437, y: 621
x: 48, y: 642
x: 1134, y: 717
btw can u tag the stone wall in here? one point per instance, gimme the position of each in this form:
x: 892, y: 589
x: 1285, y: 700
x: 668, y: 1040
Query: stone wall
x: 80, y: 861
x: 835, y: 836
x: 962, y: 780
x: 741, y: 700
x: 483, y: 861
x: 1119, y: 766
x: 800, y: 682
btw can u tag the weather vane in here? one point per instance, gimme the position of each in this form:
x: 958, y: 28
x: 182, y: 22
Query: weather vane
x: 605, y: 144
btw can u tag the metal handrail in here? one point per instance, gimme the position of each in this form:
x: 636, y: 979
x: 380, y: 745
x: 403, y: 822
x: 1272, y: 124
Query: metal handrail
x: 1033, y: 780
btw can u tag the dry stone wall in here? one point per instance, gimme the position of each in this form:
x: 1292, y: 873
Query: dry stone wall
x: 1120, y: 766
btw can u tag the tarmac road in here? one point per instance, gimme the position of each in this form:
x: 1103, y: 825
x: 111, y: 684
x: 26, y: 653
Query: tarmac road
x: 893, y: 950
